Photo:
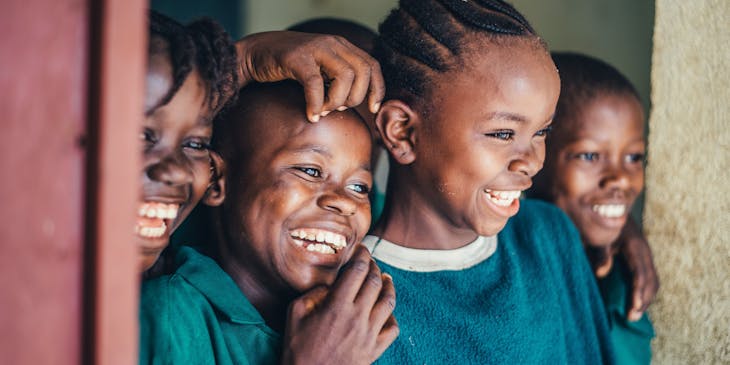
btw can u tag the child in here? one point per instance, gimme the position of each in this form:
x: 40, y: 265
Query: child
x: 183, y: 93
x: 594, y: 171
x: 482, y: 276
x: 295, y: 211
x: 201, y: 61
x: 364, y: 38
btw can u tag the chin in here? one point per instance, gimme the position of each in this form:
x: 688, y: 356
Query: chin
x: 492, y: 229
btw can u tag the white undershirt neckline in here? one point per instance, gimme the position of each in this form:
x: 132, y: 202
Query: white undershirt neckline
x: 421, y: 260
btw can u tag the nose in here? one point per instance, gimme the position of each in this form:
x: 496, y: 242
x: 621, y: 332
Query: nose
x: 528, y: 161
x: 615, y: 177
x: 337, y: 202
x: 169, y: 170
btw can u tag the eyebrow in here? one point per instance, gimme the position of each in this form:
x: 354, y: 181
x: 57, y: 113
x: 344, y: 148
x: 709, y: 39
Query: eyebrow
x: 319, y: 149
x: 512, y: 117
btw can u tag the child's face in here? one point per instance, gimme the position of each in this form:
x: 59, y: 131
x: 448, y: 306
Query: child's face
x: 176, y: 162
x: 599, y: 172
x: 485, y: 138
x: 297, y: 200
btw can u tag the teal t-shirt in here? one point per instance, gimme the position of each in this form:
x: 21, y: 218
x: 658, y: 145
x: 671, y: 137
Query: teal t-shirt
x: 631, y: 340
x: 527, y: 298
x: 198, y: 315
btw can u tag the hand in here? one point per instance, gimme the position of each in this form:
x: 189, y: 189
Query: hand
x: 601, y: 259
x: 351, y: 323
x: 313, y: 60
x: 645, y: 282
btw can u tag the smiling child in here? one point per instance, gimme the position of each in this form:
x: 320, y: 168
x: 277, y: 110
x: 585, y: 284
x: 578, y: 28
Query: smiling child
x: 482, y: 276
x: 595, y: 172
x: 183, y: 92
x: 296, y: 208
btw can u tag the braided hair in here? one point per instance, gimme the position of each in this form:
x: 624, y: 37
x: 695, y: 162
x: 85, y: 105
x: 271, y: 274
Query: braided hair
x: 423, y: 37
x: 203, y: 45
x: 216, y: 60
x: 178, y: 47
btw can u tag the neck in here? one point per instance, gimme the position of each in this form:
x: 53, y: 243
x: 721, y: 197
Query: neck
x: 411, y: 220
x: 269, y: 299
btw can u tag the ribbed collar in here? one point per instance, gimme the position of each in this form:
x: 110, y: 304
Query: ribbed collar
x: 420, y: 260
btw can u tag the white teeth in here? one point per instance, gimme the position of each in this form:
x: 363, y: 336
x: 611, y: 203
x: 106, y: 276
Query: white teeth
x: 150, y: 232
x: 503, y: 198
x: 158, y: 210
x: 330, y: 240
x: 321, y: 248
x: 610, y: 210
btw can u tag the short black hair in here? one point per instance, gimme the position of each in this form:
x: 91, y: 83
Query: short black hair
x: 422, y: 37
x: 356, y: 33
x: 203, y: 45
x: 583, y: 78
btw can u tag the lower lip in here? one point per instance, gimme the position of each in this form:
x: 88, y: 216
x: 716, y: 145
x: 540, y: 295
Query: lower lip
x: 503, y: 211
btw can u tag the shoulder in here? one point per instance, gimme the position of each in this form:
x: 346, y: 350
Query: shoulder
x: 540, y: 218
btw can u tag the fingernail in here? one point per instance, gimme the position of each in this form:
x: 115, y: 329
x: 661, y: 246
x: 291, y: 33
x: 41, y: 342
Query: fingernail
x: 315, y: 118
x: 375, y: 108
x: 634, y: 316
x: 342, y: 108
x: 386, y: 275
x: 325, y: 112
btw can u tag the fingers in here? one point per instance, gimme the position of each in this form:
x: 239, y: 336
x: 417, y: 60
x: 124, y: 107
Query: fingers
x: 304, y: 305
x: 370, y: 289
x: 313, y: 84
x: 352, y: 275
x: 383, y: 308
x: 386, y: 336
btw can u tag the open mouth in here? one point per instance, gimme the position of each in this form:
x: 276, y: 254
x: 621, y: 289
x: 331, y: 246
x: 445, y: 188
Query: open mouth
x: 610, y: 210
x: 319, y: 240
x: 153, y: 218
x: 503, y: 198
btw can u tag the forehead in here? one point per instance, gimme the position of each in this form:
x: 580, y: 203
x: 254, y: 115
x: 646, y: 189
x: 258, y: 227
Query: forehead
x: 514, y: 75
x: 607, y: 114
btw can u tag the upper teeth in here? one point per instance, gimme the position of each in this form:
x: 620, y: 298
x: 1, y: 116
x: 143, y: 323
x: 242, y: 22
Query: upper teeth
x: 158, y: 210
x: 610, y: 210
x: 312, y: 234
x: 503, y: 198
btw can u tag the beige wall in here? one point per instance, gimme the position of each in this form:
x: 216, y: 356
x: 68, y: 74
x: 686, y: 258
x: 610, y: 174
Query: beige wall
x: 688, y: 200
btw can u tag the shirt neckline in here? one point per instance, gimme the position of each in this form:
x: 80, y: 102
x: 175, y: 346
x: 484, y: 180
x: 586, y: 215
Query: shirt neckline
x: 422, y: 260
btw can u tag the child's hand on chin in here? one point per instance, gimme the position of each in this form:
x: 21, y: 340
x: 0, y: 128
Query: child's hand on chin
x: 350, y: 323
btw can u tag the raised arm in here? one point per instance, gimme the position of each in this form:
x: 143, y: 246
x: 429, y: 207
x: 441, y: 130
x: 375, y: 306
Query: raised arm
x: 321, y: 63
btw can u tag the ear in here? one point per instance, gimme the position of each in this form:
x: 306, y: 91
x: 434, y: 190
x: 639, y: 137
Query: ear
x: 216, y: 192
x: 396, y: 123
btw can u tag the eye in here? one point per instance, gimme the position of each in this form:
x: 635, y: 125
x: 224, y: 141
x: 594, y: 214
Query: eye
x: 196, y: 147
x: 359, y: 188
x: 544, y: 132
x: 147, y: 136
x: 587, y: 156
x: 504, y: 135
x: 635, y: 158
x: 310, y: 171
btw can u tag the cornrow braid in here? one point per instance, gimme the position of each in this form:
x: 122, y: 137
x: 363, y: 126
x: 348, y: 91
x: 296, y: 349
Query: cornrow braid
x: 423, y: 37
x: 180, y: 49
x: 216, y: 61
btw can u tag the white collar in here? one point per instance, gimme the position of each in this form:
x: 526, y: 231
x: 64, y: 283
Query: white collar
x: 420, y: 260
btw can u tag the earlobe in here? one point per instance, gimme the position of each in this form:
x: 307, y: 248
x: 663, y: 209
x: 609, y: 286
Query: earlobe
x: 216, y: 192
x: 397, y: 124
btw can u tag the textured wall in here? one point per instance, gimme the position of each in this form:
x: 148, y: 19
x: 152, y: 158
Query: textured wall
x: 687, y: 199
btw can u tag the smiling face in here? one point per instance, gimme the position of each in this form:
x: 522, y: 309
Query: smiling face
x: 297, y: 199
x: 484, y: 137
x: 599, y: 166
x: 176, y: 160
